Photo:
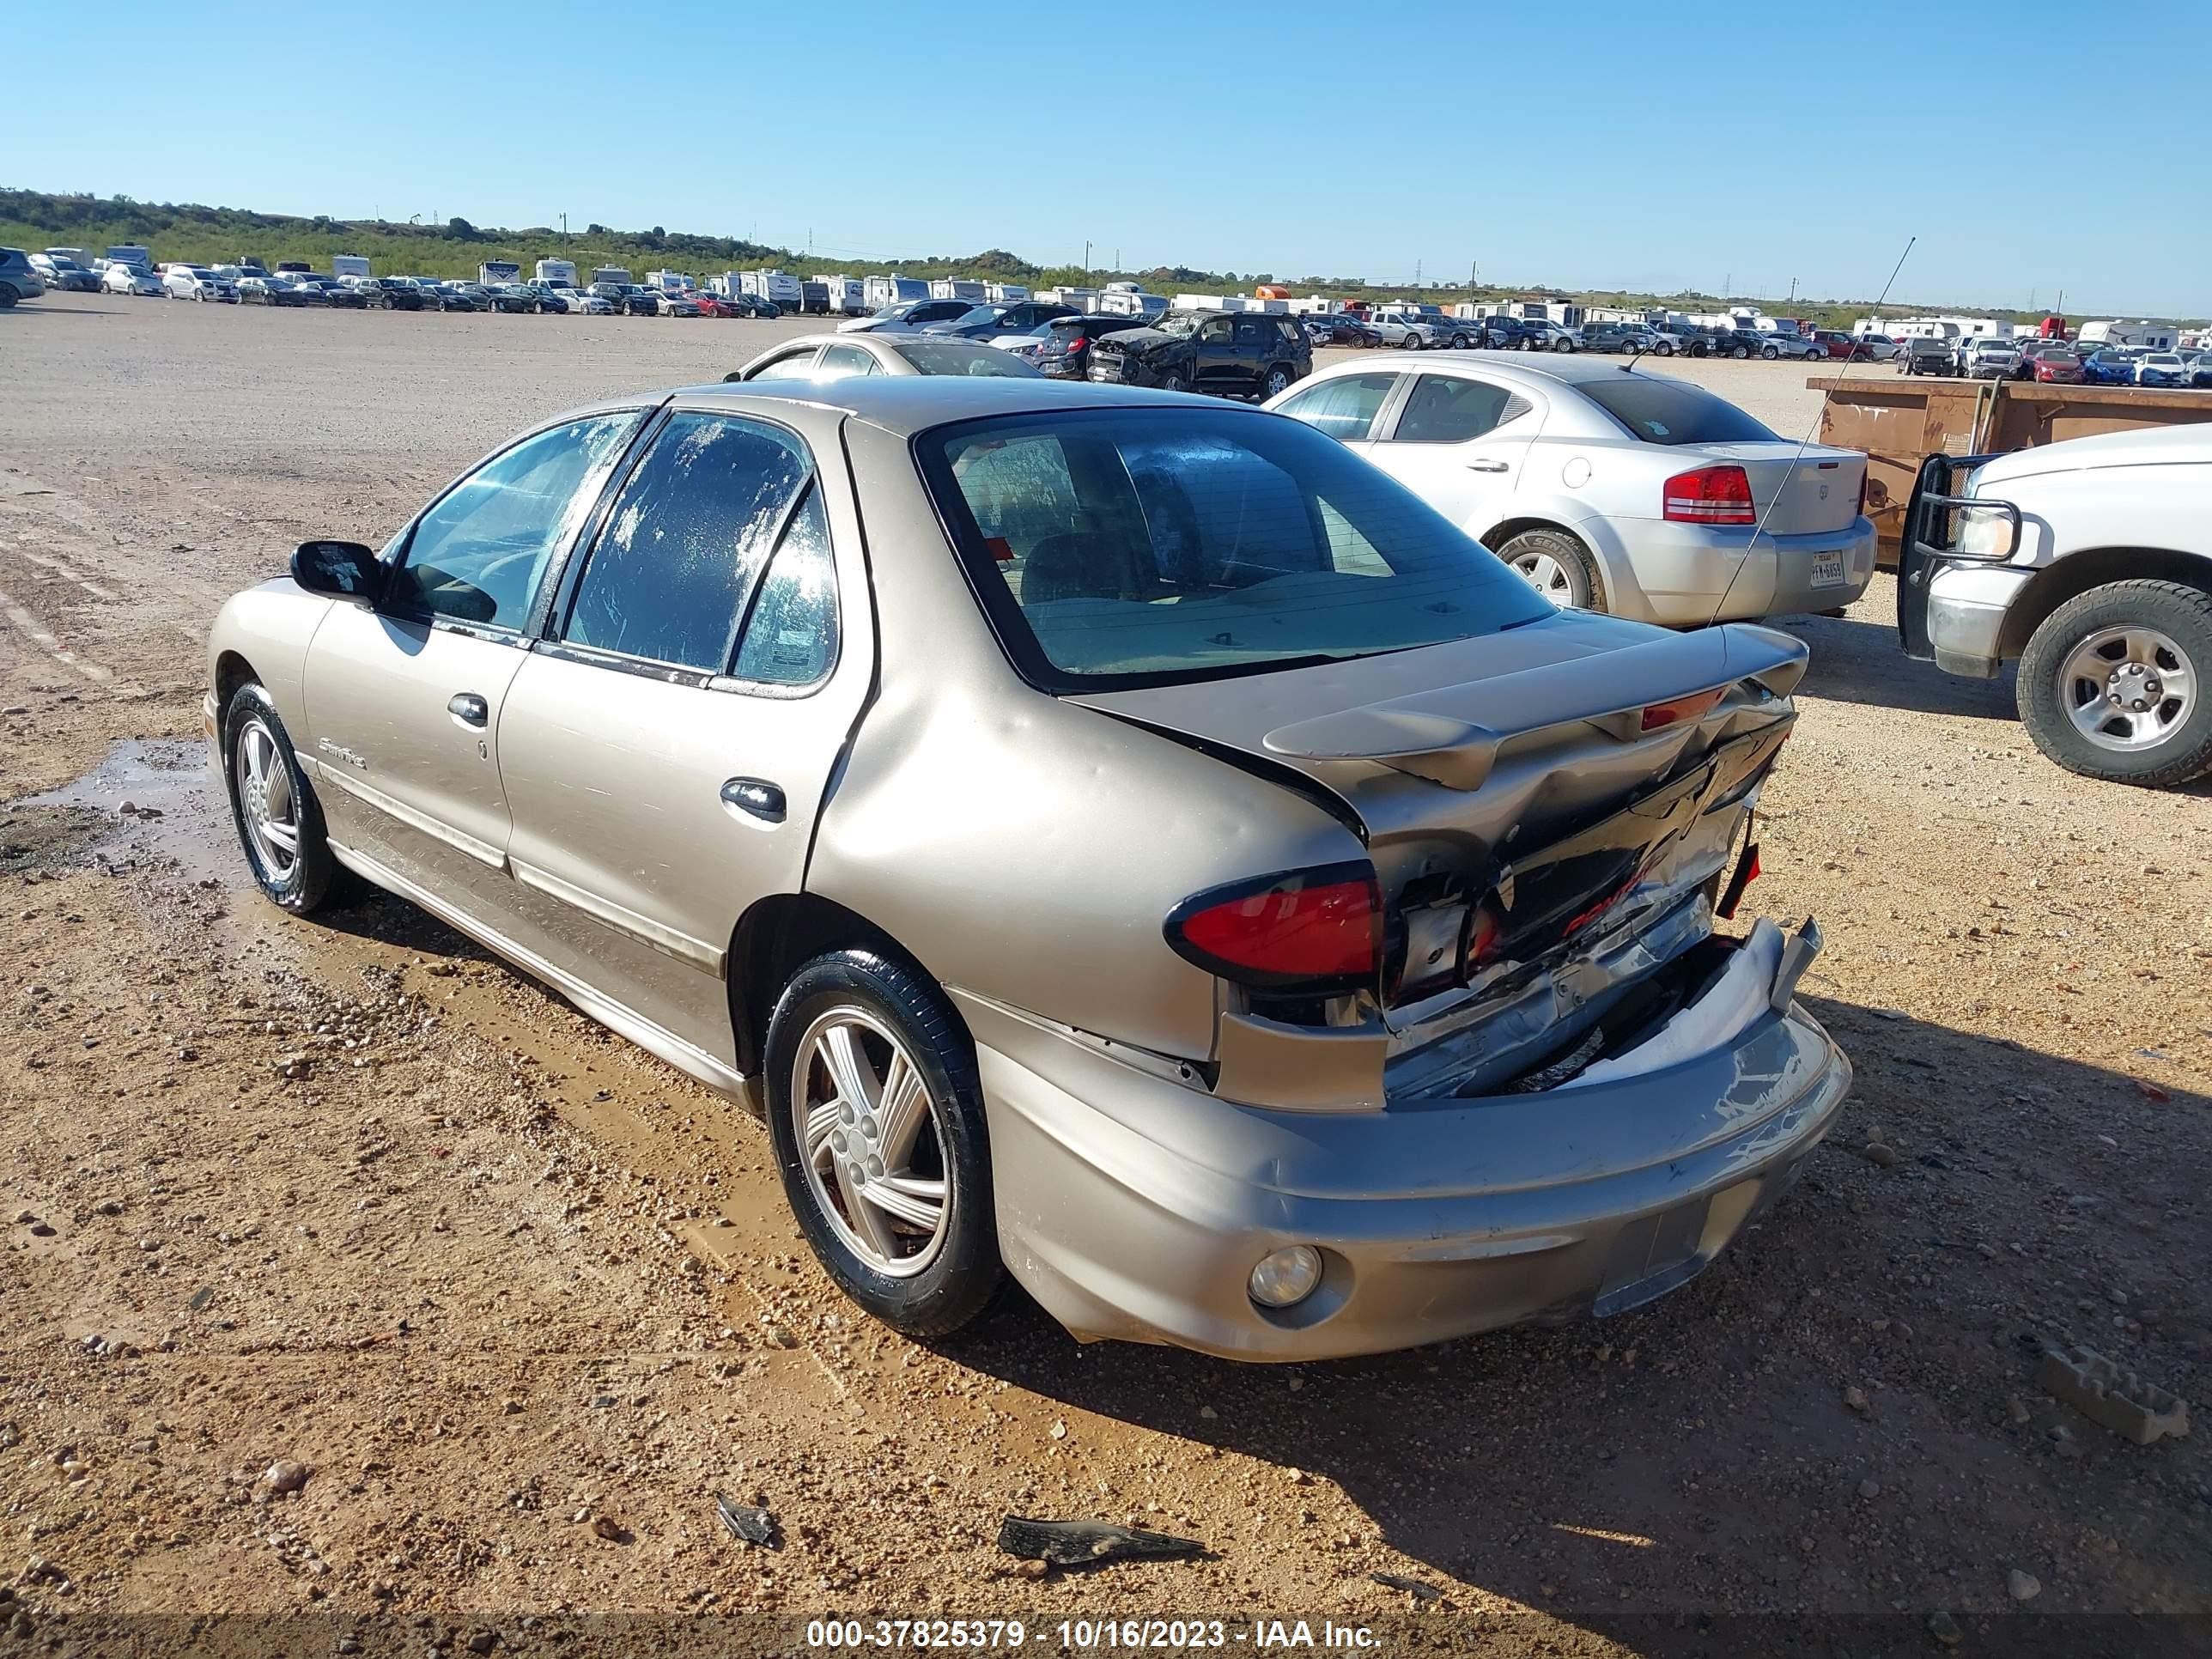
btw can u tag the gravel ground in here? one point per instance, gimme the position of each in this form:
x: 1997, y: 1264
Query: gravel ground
x: 349, y: 1196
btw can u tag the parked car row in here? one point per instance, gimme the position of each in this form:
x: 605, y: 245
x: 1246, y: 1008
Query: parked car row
x: 1986, y: 357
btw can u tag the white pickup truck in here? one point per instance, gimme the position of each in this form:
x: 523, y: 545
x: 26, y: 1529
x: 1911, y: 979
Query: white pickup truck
x: 2090, y: 561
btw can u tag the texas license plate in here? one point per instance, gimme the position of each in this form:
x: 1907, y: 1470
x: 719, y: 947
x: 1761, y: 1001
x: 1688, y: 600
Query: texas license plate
x: 1827, y: 570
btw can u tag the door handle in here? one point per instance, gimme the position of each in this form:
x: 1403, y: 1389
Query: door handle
x: 1488, y: 466
x: 755, y: 797
x: 470, y: 709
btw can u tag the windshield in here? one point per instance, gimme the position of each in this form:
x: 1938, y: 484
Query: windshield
x: 978, y: 317
x: 1669, y: 412
x: 1180, y: 323
x: 1148, y: 546
x: 959, y: 357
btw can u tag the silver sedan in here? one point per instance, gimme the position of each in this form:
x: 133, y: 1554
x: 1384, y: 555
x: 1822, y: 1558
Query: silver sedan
x: 1114, y: 839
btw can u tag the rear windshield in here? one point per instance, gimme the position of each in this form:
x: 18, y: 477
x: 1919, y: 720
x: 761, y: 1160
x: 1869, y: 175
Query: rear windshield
x: 950, y: 357
x: 1670, y: 412
x: 1152, y: 546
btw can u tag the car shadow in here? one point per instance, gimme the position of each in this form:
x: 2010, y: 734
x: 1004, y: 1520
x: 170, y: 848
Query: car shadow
x: 369, y: 913
x: 1858, y: 660
x: 1642, y: 1465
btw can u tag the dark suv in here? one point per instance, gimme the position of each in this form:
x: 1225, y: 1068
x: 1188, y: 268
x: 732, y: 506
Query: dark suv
x: 392, y: 294
x: 1063, y: 349
x: 1234, y: 354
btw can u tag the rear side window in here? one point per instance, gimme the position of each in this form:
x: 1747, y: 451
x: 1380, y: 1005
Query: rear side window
x: 1669, y: 412
x: 791, y: 637
x: 1446, y: 408
x: 1344, y: 406
x: 673, y: 570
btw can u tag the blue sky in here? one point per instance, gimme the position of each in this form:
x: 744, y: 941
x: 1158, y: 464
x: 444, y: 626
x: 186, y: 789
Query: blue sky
x: 1295, y: 138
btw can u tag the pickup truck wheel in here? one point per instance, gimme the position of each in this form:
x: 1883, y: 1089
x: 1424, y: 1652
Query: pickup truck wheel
x: 279, y: 821
x: 1740, y: 352
x: 1664, y: 349
x: 1558, y: 565
x: 877, y: 1118
x: 2110, y: 685
x: 1412, y: 341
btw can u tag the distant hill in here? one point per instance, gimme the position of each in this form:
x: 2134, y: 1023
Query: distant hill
x: 214, y: 236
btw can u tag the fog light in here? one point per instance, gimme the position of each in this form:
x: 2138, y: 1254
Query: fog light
x: 1285, y: 1278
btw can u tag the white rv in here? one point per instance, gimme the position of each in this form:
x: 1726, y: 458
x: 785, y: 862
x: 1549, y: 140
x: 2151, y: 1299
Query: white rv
x: 498, y: 273
x: 849, y: 295
x: 1082, y: 298
x: 880, y: 292
x: 957, y: 287
x: 2152, y: 337
x: 669, y: 281
x: 618, y: 274
x: 341, y: 264
x: 556, y: 273
x: 1199, y: 302
x: 779, y: 289
x: 1130, y: 302
x: 1004, y: 293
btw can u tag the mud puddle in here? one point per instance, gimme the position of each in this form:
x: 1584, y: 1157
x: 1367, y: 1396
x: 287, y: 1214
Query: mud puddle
x: 151, y: 802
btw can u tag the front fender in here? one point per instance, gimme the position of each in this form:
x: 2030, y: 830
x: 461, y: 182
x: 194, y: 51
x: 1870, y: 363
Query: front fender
x: 262, y: 634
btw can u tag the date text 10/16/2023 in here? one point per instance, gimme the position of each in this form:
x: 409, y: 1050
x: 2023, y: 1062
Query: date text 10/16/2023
x: 1090, y: 1634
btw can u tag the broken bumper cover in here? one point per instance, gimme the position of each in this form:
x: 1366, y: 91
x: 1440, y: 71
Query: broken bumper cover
x: 1134, y: 1206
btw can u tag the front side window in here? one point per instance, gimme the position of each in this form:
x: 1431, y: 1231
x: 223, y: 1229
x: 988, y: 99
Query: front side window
x: 1343, y: 406
x: 1446, y: 408
x: 476, y: 555
x: 672, y: 571
x: 1143, y: 547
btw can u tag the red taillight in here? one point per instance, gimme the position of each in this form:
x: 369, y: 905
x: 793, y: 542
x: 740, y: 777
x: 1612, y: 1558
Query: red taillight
x: 1314, y: 930
x: 1711, y: 495
x: 1077, y: 344
x: 1676, y: 710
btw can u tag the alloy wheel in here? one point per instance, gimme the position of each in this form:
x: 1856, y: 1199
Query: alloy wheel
x: 2127, y: 689
x: 871, y: 1143
x: 267, y: 802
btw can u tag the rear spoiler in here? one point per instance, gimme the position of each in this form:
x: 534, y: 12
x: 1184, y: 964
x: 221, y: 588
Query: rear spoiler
x: 1452, y: 735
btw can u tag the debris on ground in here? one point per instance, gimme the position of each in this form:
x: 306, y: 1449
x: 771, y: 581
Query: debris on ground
x: 2104, y: 1392
x: 1089, y: 1543
x: 1413, y: 1586
x: 607, y: 1527
x: 747, y: 1521
x: 285, y: 1476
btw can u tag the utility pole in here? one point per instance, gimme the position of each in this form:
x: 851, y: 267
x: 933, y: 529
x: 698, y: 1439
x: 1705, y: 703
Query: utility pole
x: 1793, y: 290
x: 564, y: 230
x: 1086, y: 255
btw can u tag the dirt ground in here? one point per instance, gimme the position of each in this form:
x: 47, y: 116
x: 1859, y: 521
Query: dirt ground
x: 351, y: 1196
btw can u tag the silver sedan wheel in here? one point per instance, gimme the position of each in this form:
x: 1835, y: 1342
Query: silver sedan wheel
x: 872, y: 1148
x: 2127, y: 689
x: 266, y: 801
x: 1548, y: 577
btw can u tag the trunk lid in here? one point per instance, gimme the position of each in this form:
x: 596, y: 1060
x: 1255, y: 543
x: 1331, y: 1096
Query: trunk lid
x: 1797, y: 493
x: 1510, y: 773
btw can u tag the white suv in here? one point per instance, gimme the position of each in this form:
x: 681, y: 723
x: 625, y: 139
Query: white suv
x: 2090, y: 562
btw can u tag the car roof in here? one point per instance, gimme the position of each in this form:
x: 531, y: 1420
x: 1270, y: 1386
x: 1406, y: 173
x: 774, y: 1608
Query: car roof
x: 905, y: 405
x: 1570, y: 369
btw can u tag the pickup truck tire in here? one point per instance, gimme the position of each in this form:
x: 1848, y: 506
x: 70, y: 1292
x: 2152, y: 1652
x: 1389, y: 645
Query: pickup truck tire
x: 1558, y: 565
x: 1664, y: 349
x: 1412, y: 341
x: 1740, y: 352
x: 2126, y: 633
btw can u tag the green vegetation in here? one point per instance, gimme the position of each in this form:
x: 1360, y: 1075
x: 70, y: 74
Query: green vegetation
x: 214, y: 236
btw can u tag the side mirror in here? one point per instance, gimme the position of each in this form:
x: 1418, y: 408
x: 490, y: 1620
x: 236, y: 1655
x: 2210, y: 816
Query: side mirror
x: 344, y: 570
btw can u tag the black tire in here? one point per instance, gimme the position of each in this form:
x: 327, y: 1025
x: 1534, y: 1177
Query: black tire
x: 1585, y: 587
x: 1412, y: 341
x: 1179, y: 378
x: 965, y: 1271
x: 1563, y: 344
x: 303, y: 888
x: 2181, y: 613
x: 1664, y: 349
x: 1769, y: 353
x: 7, y: 296
x: 1459, y: 342
x: 1279, y: 378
